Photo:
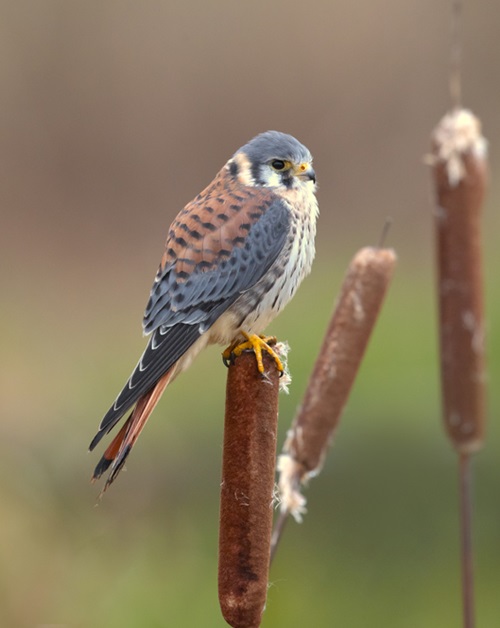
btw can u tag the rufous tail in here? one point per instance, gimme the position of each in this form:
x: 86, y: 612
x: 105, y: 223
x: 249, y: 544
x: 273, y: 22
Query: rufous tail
x: 120, y: 447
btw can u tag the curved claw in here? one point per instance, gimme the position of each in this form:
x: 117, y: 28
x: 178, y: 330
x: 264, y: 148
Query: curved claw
x: 257, y: 344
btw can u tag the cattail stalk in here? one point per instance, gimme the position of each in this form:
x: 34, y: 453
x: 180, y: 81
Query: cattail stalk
x: 339, y: 358
x: 459, y: 168
x: 246, y: 511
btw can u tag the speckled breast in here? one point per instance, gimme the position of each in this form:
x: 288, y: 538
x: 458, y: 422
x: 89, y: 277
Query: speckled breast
x: 257, y: 307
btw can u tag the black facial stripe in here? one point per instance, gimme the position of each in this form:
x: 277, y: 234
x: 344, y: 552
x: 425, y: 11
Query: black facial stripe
x: 256, y: 174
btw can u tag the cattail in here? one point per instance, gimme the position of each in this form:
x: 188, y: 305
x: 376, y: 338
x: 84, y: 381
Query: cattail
x: 459, y: 169
x: 246, y: 510
x: 339, y: 358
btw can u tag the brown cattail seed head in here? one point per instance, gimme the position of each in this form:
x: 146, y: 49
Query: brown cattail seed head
x: 246, y: 510
x: 361, y: 297
x: 459, y: 167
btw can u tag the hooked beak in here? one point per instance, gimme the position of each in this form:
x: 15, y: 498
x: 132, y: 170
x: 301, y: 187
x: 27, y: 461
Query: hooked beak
x: 306, y: 171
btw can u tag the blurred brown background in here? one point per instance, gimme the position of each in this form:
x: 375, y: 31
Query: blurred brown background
x: 113, y: 115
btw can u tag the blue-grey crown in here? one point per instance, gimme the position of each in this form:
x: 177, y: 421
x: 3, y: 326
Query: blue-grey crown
x: 275, y: 145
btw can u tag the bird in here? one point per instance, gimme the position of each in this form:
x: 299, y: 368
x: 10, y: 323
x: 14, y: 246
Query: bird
x: 234, y: 256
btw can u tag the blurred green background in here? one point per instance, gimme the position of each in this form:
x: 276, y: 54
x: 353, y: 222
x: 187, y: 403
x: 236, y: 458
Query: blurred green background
x: 113, y: 115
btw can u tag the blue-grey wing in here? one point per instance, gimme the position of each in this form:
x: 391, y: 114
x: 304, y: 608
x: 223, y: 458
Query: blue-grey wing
x: 239, y: 255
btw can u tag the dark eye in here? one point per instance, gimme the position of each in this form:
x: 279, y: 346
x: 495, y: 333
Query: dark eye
x: 278, y: 164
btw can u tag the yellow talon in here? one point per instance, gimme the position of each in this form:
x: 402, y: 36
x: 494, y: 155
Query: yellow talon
x: 254, y: 343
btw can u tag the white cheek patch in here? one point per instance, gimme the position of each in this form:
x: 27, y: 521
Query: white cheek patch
x: 273, y: 178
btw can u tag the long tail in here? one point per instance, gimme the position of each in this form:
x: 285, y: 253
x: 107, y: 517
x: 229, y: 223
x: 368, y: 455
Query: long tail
x: 120, y: 447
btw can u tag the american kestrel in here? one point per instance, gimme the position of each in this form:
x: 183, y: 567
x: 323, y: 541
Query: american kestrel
x: 234, y: 257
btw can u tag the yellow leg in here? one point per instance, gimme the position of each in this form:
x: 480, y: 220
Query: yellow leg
x: 254, y: 343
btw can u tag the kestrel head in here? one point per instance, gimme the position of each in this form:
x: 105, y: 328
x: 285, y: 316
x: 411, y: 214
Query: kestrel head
x: 273, y: 159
